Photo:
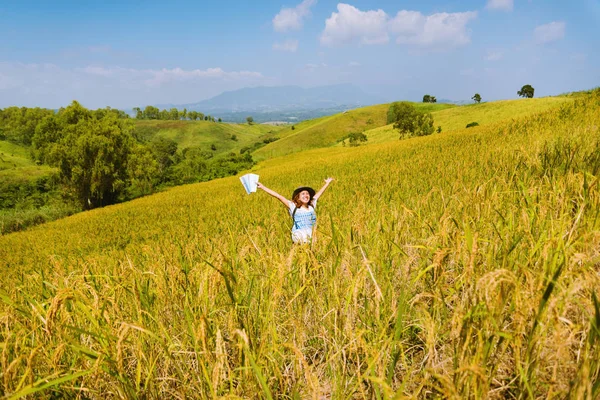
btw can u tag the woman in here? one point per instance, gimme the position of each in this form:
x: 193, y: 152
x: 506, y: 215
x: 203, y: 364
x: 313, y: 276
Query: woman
x: 301, y: 208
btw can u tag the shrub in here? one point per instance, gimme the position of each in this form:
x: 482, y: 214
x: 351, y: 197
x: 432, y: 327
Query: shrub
x: 356, y: 138
x: 472, y: 124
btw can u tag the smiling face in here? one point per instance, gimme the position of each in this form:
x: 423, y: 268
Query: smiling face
x: 304, y: 197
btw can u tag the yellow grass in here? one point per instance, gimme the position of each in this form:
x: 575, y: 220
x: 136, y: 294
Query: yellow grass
x: 461, y: 265
x: 485, y: 113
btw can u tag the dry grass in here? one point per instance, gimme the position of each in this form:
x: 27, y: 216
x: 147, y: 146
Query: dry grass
x: 463, y: 265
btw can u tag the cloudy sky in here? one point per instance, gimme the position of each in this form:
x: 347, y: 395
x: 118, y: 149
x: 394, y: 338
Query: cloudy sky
x: 126, y: 54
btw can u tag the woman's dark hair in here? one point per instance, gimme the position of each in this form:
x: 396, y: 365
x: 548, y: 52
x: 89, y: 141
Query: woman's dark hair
x: 296, y: 199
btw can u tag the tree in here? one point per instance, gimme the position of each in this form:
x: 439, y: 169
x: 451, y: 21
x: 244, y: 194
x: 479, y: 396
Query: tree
x: 220, y: 120
x: 164, y: 151
x: 429, y: 99
x: 476, y: 98
x: 142, y: 170
x: 250, y: 120
x: 356, y: 138
x: 526, y: 91
x: 408, y: 120
x: 184, y: 113
x: 139, y: 114
x: 90, y: 151
x: 151, y: 112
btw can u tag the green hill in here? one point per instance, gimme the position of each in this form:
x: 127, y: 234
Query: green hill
x: 328, y: 131
x: 16, y: 166
x: 204, y: 134
x: 459, y: 265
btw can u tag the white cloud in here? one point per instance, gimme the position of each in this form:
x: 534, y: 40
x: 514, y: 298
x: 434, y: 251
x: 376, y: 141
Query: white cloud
x: 312, y: 67
x: 350, y: 25
x: 549, y: 32
x: 49, y: 85
x: 288, y: 45
x: 440, y: 29
x: 494, y: 55
x: 158, y: 77
x: 502, y: 5
x: 353, y: 64
x: 292, y: 18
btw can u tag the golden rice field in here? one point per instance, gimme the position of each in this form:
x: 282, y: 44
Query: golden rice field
x: 464, y: 265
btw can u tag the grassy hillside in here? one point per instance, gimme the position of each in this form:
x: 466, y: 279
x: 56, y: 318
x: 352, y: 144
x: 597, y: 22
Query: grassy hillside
x: 327, y: 131
x: 13, y: 156
x: 17, y: 167
x: 462, y: 265
x: 205, y: 133
x: 485, y: 113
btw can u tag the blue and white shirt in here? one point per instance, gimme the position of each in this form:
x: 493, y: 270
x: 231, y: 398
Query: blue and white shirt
x: 304, y: 221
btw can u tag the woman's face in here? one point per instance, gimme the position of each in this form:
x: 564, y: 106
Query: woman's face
x: 304, y: 197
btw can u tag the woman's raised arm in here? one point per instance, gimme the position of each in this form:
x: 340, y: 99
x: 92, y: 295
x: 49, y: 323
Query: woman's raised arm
x: 274, y: 194
x: 320, y: 192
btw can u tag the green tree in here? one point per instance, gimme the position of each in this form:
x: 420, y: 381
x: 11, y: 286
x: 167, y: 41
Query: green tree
x: 90, y: 151
x: 250, y: 120
x: 526, y: 91
x: 174, y: 114
x: 18, y: 124
x: 164, y: 151
x: 476, y: 98
x: 151, y: 112
x: 139, y: 114
x: 184, y: 113
x: 427, y: 99
x: 220, y: 120
x: 356, y: 138
x: 143, y: 171
x: 408, y: 120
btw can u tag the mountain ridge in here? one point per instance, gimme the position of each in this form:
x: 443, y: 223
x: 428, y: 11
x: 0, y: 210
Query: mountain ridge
x: 281, y: 98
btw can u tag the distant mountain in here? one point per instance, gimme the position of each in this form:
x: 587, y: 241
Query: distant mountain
x: 276, y: 99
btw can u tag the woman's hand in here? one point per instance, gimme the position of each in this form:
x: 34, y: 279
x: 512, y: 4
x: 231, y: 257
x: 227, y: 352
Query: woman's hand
x: 328, y: 180
x: 260, y: 185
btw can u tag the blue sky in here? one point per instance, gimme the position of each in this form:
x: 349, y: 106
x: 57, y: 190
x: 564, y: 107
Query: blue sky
x: 126, y: 54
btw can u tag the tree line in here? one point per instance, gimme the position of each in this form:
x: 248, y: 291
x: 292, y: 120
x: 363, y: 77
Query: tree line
x: 151, y: 112
x: 102, y: 159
